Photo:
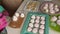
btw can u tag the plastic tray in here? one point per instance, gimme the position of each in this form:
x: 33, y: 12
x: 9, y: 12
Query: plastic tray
x: 1, y: 9
x: 42, y: 4
x: 24, y: 28
x: 53, y: 25
x: 37, y: 6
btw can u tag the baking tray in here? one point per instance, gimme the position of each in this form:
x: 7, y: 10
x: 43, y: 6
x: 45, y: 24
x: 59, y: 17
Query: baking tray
x: 25, y: 25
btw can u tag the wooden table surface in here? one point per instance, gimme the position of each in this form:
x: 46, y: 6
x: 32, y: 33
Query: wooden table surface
x: 17, y: 31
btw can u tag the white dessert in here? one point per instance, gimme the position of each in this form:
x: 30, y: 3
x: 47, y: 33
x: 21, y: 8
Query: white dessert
x: 58, y: 22
x: 31, y: 25
x: 17, y: 14
x: 51, y: 5
x: 57, y: 9
x: 42, y: 18
x: 22, y: 15
x: 32, y: 20
x: 33, y: 16
x: 37, y: 21
x: 42, y: 27
x: 42, y: 22
x: 41, y: 31
x: 54, y: 18
x: 38, y: 17
x: 29, y: 29
x: 35, y: 30
x: 46, y: 5
x: 56, y: 6
x: 36, y: 25
x: 52, y: 11
x: 15, y: 18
